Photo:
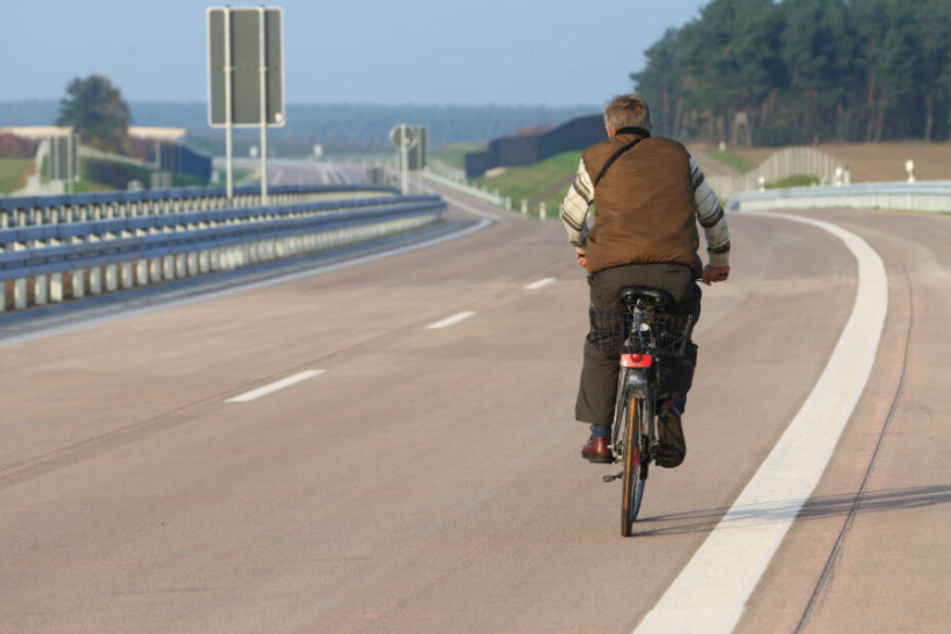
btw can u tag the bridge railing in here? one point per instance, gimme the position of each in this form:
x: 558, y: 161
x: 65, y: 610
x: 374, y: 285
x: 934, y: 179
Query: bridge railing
x: 932, y: 196
x: 52, y: 261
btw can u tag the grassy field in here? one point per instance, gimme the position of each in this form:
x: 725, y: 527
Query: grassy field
x: 732, y: 160
x: 797, y: 180
x: 455, y: 155
x: 547, y: 181
x: 875, y: 162
x: 13, y: 173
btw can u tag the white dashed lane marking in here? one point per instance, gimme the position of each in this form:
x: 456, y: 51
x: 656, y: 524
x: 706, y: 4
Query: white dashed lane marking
x: 534, y: 286
x: 455, y: 319
x: 274, y: 387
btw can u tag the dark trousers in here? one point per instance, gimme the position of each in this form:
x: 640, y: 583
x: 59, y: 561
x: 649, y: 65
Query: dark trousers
x: 599, y: 374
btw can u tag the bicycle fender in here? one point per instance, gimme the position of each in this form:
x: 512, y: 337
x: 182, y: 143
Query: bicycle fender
x: 636, y: 383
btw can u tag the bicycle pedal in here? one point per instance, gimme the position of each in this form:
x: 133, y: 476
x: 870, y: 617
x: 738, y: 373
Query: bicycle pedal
x: 612, y: 478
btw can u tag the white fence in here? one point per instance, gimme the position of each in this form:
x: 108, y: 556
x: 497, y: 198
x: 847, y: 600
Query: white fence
x: 793, y: 161
x: 461, y: 186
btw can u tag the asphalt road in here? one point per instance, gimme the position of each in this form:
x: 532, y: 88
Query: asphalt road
x: 423, y: 473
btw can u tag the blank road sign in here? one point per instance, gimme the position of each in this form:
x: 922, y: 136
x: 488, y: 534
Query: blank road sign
x: 235, y: 53
x: 418, y: 156
x: 64, y: 158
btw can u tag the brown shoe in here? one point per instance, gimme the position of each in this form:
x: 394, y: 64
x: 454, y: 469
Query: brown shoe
x: 597, y: 450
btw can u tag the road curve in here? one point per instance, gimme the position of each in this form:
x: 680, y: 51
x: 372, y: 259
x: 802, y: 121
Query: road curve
x: 376, y: 473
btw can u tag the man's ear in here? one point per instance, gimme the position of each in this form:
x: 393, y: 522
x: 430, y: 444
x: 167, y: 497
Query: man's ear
x: 609, y: 131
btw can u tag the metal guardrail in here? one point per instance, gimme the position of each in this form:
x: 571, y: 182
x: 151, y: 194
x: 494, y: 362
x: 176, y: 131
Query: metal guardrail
x: 35, y: 210
x: 934, y: 196
x: 54, y: 261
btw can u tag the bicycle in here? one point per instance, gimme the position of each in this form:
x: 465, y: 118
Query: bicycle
x: 650, y: 337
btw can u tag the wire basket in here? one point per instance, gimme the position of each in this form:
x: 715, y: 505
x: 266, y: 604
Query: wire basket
x: 663, y: 334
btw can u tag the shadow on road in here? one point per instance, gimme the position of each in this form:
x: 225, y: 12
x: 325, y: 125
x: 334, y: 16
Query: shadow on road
x: 707, y: 520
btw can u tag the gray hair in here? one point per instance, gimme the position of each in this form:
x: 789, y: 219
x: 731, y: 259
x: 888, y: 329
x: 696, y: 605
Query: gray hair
x: 625, y: 111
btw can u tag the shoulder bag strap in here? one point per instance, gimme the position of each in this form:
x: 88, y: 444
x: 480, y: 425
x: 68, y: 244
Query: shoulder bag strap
x: 618, y: 154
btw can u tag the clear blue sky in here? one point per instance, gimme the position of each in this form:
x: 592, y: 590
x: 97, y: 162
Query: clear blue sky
x: 512, y: 52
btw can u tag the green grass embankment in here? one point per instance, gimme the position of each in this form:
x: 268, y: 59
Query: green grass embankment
x: 546, y: 182
x: 13, y: 174
x: 796, y: 180
x: 734, y: 161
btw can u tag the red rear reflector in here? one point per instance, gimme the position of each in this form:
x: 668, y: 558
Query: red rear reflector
x: 636, y: 360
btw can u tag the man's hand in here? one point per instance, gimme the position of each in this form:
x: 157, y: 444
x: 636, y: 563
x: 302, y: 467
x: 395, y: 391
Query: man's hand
x: 713, y: 274
x: 579, y: 257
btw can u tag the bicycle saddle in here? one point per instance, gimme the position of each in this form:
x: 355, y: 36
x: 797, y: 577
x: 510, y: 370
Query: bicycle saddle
x: 660, y: 299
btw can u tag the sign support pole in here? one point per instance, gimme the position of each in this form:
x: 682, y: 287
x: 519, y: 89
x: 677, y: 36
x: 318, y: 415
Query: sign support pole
x: 262, y: 65
x: 229, y: 69
x: 404, y: 160
x: 70, y: 164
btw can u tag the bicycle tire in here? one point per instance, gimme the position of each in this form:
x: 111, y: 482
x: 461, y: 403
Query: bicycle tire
x: 635, y: 466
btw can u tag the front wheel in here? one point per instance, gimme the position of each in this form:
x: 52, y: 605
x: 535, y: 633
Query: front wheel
x: 635, y: 463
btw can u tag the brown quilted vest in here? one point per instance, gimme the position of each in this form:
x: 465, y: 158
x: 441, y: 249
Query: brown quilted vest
x: 645, y: 205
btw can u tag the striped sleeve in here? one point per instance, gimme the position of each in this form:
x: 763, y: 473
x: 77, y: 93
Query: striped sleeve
x: 711, y: 217
x: 574, y: 210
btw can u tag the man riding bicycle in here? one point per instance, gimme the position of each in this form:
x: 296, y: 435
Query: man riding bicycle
x: 646, y: 195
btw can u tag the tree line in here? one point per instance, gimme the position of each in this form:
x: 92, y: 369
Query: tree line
x: 804, y: 71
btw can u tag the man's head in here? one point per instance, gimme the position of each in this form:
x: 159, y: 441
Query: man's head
x: 626, y: 111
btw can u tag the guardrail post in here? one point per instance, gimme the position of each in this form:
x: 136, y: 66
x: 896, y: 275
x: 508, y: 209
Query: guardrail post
x: 3, y: 296
x: 95, y: 280
x: 524, y: 207
x: 56, y: 287
x: 142, y: 273
x: 155, y: 270
x: 542, y: 212
x: 40, y: 290
x: 78, y: 283
x: 180, y: 266
x: 203, y: 262
x: 127, y: 275
x: 168, y: 267
x: 19, y: 294
x: 112, y: 281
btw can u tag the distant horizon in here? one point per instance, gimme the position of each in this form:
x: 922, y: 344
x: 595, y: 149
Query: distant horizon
x: 334, y: 103
x: 341, y: 123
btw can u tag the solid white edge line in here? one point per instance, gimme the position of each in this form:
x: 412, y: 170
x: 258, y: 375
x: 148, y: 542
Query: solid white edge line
x: 274, y: 387
x: 455, y: 319
x: 174, y: 303
x: 710, y: 593
x: 534, y: 286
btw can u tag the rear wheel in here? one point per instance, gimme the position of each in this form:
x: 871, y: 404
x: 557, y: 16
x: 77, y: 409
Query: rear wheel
x: 635, y: 464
